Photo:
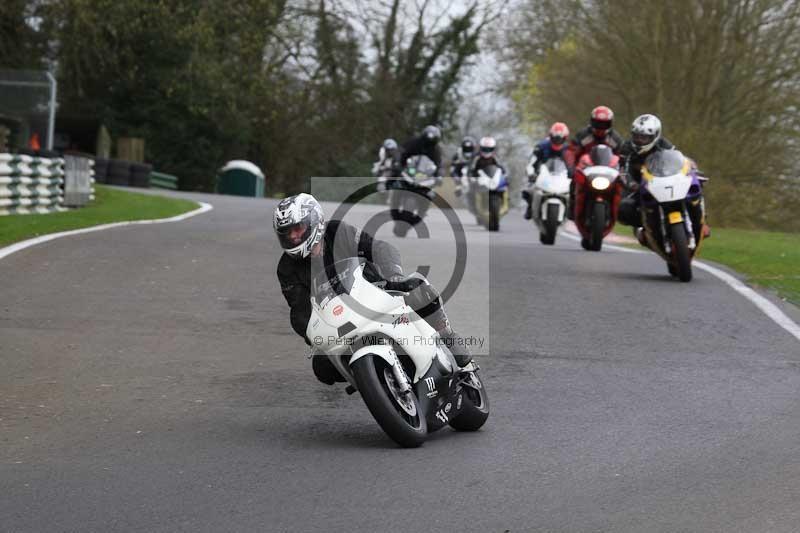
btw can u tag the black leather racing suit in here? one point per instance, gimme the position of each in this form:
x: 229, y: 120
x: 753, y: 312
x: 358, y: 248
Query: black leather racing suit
x: 632, y: 161
x: 340, y: 241
x: 421, y: 146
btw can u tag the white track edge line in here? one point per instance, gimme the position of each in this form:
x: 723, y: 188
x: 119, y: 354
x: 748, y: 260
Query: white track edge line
x: 16, y: 247
x: 768, y: 308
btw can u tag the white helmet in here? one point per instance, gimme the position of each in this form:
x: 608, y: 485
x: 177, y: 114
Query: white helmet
x: 487, y: 147
x: 645, y: 133
x: 299, y: 224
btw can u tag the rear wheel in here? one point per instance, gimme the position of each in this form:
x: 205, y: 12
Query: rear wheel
x: 396, y: 412
x: 494, y: 211
x: 597, y: 227
x: 548, y: 236
x: 475, y: 410
x: 680, y: 250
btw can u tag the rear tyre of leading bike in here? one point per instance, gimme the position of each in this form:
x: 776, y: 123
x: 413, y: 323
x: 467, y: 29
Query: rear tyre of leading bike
x: 475, y: 408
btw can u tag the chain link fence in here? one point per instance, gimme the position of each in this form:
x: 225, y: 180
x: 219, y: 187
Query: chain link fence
x: 27, y: 109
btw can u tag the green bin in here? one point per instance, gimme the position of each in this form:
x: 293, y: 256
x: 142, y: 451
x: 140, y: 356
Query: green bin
x: 240, y: 178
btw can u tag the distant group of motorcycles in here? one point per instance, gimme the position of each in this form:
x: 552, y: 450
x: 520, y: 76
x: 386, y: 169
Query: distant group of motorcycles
x: 670, y: 187
x: 665, y: 202
x: 480, y: 180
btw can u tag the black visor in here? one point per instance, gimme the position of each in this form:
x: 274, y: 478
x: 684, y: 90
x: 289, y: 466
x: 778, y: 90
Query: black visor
x: 642, y: 139
x: 294, y: 235
x: 601, y: 124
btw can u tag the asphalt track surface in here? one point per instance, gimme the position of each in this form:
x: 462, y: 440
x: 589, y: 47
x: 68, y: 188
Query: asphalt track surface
x: 149, y: 381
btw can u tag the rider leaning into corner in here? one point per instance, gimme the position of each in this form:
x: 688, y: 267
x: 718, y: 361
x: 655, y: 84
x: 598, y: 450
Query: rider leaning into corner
x: 546, y: 149
x: 303, y: 233
x: 645, y: 139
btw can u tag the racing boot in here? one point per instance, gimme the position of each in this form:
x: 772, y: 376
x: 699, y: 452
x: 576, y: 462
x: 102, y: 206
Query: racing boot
x: 454, y: 342
x: 457, y: 346
x: 528, y: 210
x: 324, y: 369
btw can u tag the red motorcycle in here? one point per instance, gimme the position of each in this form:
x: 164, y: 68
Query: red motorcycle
x: 598, y: 191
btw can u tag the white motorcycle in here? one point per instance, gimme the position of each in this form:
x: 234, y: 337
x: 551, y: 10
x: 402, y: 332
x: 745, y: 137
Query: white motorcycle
x: 405, y: 374
x: 673, y: 210
x: 550, y: 198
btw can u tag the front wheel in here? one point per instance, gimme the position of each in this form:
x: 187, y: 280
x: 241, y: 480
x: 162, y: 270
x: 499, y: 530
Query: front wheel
x: 548, y: 236
x: 475, y: 410
x: 397, y: 413
x: 494, y: 212
x: 680, y: 250
x: 597, y: 227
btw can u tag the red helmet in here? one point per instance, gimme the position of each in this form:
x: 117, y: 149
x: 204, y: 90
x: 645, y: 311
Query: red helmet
x: 601, y: 120
x: 559, y: 133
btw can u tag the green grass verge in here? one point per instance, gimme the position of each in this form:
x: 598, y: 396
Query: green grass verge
x: 768, y: 259
x: 110, y: 205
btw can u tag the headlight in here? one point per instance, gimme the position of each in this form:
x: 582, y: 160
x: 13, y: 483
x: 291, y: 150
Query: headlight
x: 601, y: 183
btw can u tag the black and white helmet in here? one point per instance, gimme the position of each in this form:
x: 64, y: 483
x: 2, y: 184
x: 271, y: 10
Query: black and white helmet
x: 645, y: 133
x: 468, y: 147
x: 299, y: 224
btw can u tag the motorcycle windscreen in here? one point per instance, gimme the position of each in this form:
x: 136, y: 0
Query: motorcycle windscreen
x: 665, y: 163
x: 333, y: 280
x: 423, y: 166
x: 556, y: 166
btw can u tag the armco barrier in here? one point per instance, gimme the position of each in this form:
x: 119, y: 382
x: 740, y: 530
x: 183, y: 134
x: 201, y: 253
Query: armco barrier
x: 163, y: 181
x: 30, y: 184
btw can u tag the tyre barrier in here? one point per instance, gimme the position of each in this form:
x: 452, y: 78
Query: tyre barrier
x: 35, y: 184
x: 30, y: 184
x: 119, y: 172
x: 140, y: 175
x: 101, y: 170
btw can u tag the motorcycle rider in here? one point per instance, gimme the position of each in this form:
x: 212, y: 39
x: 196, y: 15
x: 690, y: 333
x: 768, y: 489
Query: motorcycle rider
x: 388, y: 163
x: 303, y: 233
x: 645, y: 139
x: 599, y: 131
x: 427, y: 144
x: 487, y: 150
x: 461, y: 161
x: 546, y: 149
